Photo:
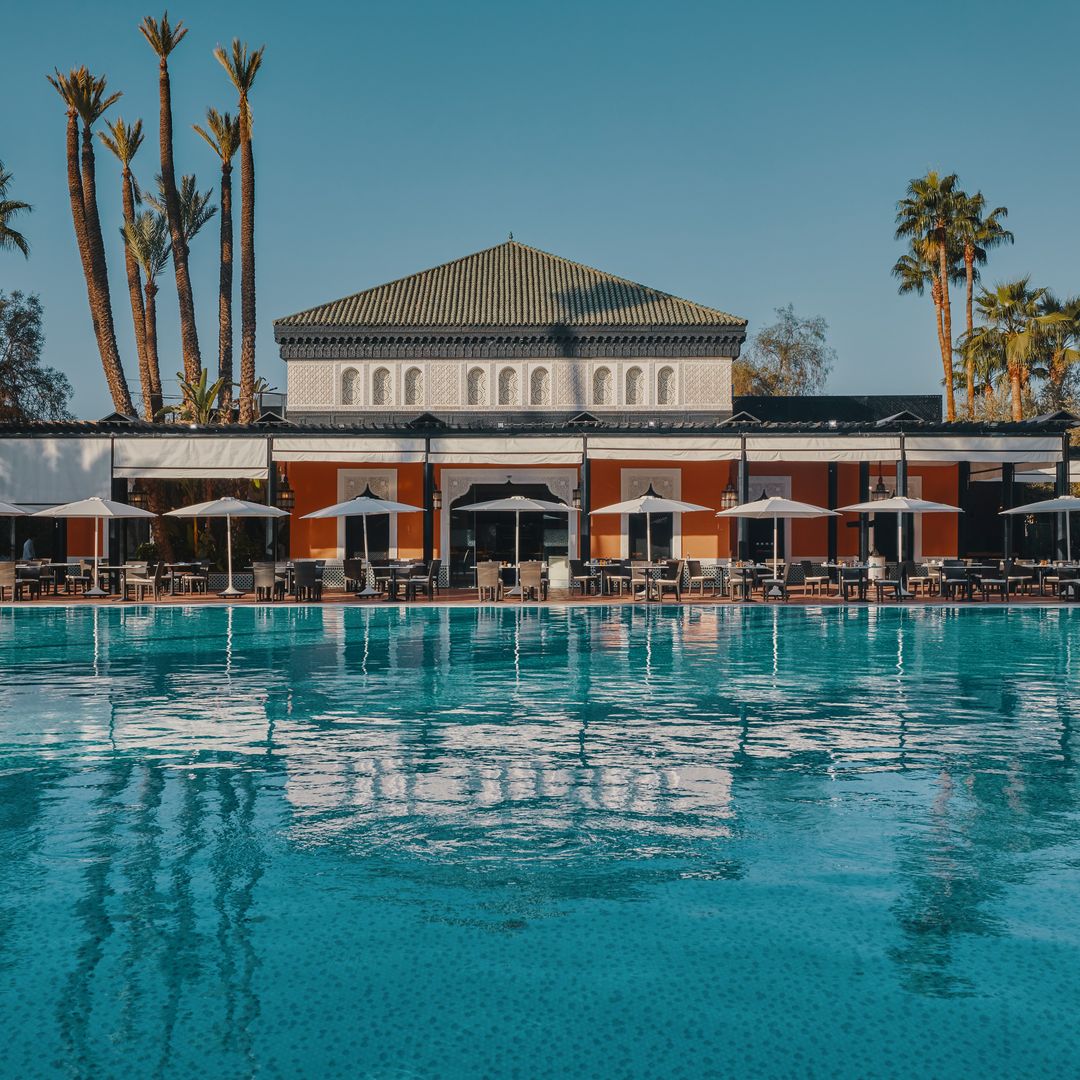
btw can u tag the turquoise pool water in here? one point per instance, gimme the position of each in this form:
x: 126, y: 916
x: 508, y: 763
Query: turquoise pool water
x: 580, y: 842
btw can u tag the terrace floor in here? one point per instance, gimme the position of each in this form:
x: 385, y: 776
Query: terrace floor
x: 558, y: 596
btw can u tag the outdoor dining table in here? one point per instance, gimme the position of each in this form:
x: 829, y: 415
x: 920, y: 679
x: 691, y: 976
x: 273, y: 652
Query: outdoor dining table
x: 392, y: 575
x: 117, y: 576
x: 48, y: 571
x: 600, y: 568
x: 652, y: 572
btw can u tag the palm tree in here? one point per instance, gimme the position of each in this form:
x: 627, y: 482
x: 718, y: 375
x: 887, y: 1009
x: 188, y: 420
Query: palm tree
x: 195, y: 206
x: 928, y: 213
x: 84, y: 97
x: 201, y: 402
x: 241, y: 67
x: 9, y: 237
x: 918, y: 270
x: 124, y: 140
x: 1063, y: 343
x: 1016, y: 329
x: 222, y: 134
x: 978, y: 232
x: 147, y: 238
x: 163, y: 37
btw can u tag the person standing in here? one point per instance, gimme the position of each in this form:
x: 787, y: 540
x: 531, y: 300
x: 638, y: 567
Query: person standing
x: 28, y: 551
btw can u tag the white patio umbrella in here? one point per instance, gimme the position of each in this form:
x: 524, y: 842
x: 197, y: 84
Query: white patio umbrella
x: 97, y: 509
x: 648, y: 504
x: 900, y: 505
x: 363, y: 506
x: 1063, y: 504
x: 228, y: 508
x: 776, y: 508
x: 521, y: 504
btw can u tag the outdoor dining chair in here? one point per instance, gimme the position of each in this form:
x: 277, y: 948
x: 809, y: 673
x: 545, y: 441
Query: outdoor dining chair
x: 422, y: 580
x: 355, y: 574
x: 141, y: 582
x: 581, y: 578
x: 896, y: 587
x: 617, y: 577
x: 670, y: 580
x: 852, y: 581
x: 489, y: 581
x: 307, y: 581
x: 741, y: 583
x: 7, y: 580
x: 776, y: 586
x: 267, y: 584
x: 813, y: 584
x: 697, y: 577
x: 531, y: 581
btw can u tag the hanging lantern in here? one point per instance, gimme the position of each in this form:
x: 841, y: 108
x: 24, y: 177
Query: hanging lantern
x: 729, y: 497
x: 286, y: 497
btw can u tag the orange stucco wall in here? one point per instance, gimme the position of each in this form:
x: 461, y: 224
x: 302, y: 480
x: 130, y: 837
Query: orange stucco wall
x: 703, y: 536
x: 80, y: 537
x: 316, y: 486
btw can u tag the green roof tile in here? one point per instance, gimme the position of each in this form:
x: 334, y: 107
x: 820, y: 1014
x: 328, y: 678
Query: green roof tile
x: 510, y: 285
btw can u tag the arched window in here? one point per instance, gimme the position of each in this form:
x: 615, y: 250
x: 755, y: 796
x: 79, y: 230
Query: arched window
x: 540, y: 387
x: 476, y: 387
x: 414, y: 387
x: 635, y: 387
x: 665, y: 387
x: 508, y: 386
x: 601, y: 386
x: 380, y: 387
x: 350, y: 387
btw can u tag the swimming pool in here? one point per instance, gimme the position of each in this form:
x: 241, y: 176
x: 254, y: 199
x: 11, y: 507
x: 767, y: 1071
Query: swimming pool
x: 582, y: 841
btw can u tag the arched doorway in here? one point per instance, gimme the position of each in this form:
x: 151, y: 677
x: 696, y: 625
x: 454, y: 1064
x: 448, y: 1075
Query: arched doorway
x: 489, y: 535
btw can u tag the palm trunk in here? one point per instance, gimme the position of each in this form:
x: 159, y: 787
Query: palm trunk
x: 158, y: 504
x: 102, y: 302
x: 78, y: 216
x: 150, y: 338
x: 134, y: 281
x: 247, y: 276
x: 946, y: 327
x: 935, y: 295
x: 1016, y: 392
x: 969, y: 269
x: 189, y: 337
x: 225, y: 285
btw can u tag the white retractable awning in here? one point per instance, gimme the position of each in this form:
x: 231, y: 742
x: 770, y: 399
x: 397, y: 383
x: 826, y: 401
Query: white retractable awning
x: 823, y: 448
x: 512, y: 450
x: 179, y: 457
x: 352, y: 449
x: 664, y: 447
x: 948, y: 449
x: 46, y: 472
x: 1027, y: 474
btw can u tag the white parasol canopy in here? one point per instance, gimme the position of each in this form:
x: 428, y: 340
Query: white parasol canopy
x: 8, y: 510
x: 365, y: 505
x: 648, y: 504
x: 775, y: 507
x: 228, y: 508
x: 1063, y: 504
x: 521, y: 504
x: 99, y: 509
x: 901, y: 504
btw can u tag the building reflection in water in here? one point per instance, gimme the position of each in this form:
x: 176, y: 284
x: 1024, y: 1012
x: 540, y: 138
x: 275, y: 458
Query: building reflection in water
x: 161, y: 767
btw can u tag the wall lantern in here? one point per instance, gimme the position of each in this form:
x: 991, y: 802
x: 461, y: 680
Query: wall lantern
x: 880, y: 492
x: 286, y: 497
x: 729, y: 497
x: 436, y: 499
x: 138, y: 498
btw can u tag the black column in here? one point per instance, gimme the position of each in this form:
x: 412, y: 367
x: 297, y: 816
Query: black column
x: 832, y: 485
x: 743, y: 524
x: 864, y: 519
x: 907, y: 533
x: 117, y: 532
x: 1061, y: 487
x: 271, y: 500
x: 963, y: 487
x: 429, y: 504
x: 1008, y: 472
x: 585, y: 522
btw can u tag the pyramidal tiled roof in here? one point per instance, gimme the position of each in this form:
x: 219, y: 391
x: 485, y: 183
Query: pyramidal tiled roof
x: 510, y: 285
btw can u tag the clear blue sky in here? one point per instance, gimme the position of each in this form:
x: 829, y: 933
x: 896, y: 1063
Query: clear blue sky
x: 742, y: 155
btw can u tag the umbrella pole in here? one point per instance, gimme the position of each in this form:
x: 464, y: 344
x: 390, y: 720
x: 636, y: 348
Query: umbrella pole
x: 96, y: 590
x: 1068, y: 537
x: 775, y: 544
x: 648, y: 537
x: 229, y: 590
